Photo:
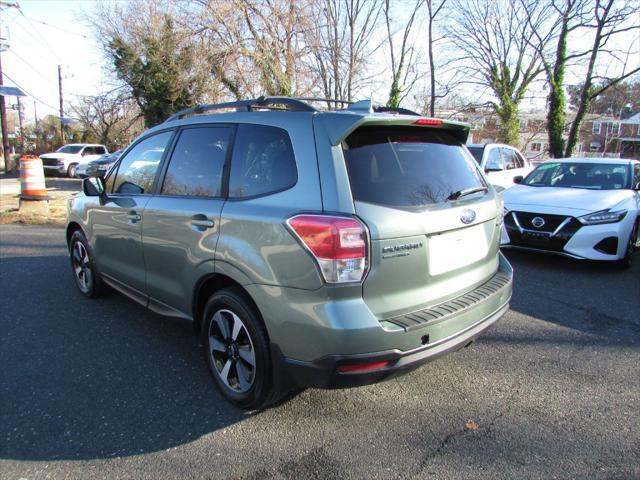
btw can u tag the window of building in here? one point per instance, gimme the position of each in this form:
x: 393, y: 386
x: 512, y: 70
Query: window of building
x: 197, y: 161
x: 536, y: 147
x: 615, y: 128
x: 138, y: 167
x: 263, y: 161
x: 597, y: 126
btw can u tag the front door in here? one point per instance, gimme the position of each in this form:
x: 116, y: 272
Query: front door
x: 117, y: 224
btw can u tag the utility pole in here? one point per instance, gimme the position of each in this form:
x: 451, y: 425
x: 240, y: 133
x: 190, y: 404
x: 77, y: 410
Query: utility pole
x: 61, y: 103
x: 3, y: 112
x: 4, y: 4
x: 20, y: 110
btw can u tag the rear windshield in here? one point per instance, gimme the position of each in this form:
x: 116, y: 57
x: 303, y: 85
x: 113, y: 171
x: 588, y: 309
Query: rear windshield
x: 407, y: 166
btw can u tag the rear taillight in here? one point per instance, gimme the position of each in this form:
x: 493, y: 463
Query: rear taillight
x: 338, y: 244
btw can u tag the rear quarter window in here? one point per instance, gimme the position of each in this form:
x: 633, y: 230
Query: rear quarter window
x: 407, y: 166
x: 263, y: 162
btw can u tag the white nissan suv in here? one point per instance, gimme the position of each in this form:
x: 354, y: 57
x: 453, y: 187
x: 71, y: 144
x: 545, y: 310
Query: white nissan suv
x: 66, y: 159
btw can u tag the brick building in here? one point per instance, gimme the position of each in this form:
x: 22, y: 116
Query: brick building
x: 600, y: 135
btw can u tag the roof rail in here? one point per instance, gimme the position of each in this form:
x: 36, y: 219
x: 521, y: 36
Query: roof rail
x: 290, y: 103
x: 294, y: 104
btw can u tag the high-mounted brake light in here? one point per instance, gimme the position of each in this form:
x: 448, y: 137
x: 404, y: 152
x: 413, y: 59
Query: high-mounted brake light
x: 428, y: 121
x: 338, y: 244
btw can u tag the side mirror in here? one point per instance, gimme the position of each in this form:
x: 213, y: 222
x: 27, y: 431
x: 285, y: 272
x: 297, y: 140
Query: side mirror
x: 518, y: 179
x: 93, y: 186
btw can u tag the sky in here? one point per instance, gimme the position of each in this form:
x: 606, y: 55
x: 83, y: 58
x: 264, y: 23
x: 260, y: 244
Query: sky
x: 46, y: 33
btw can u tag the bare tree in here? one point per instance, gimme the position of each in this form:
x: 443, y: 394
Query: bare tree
x: 433, y: 9
x: 341, y: 42
x: 111, y: 117
x: 568, y: 16
x: 255, y: 45
x: 492, y: 40
x: 611, y: 18
x: 403, y: 72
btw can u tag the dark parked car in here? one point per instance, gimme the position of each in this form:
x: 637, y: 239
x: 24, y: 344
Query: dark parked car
x: 99, y: 167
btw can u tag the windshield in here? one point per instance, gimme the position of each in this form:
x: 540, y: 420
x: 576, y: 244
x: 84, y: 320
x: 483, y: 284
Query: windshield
x: 70, y: 149
x: 408, y: 166
x: 592, y: 176
x: 477, y: 153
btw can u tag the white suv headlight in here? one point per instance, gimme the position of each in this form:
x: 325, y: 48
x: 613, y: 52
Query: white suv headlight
x: 603, y: 216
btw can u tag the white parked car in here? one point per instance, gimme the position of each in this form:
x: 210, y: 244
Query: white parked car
x: 586, y: 208
x: 66, y: 159
x: 501, y: 163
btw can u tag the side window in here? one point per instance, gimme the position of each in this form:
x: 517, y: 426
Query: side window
x: 263, y: 161
x: 636, y: 175
x: 510, y: 160
x: 197, y: 161
x: 494, y: 160
x: 87, y: 151
x: 100, y: 150
x: 138, y: 168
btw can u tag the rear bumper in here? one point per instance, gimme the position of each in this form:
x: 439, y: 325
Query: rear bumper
x: 324, y: 373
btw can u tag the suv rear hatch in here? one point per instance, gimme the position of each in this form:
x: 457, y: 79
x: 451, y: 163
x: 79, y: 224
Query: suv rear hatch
x: 432, y: 218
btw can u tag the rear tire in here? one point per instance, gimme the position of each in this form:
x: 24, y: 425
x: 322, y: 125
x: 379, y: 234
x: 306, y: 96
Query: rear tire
x: 236, y: 350
x: 83, y: 267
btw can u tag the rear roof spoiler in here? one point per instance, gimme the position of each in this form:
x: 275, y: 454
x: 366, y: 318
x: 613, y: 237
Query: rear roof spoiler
x: 339, y: 125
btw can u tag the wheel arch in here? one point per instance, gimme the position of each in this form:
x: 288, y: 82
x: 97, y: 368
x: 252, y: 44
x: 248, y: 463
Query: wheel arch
x: 207, y: 286
x: 72, y: 227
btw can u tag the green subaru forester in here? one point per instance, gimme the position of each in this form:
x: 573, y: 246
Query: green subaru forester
x: 309, y: 248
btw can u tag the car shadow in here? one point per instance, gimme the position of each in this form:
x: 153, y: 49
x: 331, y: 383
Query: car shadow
x: 87, y: 379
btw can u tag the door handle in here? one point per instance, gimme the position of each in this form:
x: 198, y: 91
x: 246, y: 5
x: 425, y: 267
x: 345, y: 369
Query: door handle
x: 133, y: 216
x: 201, y: 221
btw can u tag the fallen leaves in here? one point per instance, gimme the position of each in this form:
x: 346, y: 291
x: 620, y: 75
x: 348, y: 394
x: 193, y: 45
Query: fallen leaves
x: 471, y: 425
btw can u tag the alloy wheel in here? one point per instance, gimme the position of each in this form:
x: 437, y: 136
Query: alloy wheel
x: 231, y: 350
x: 82, y: 267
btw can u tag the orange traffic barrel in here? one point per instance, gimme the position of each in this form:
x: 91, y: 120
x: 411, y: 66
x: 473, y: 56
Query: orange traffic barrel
x: 32, y: 186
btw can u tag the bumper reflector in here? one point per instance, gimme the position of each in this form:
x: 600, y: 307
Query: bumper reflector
x: 362, y: 367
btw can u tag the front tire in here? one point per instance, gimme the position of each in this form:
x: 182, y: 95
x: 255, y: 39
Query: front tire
x: 627, y: 261
x: 83, y: 267
x: 71, y: 171
x: 236, y: 350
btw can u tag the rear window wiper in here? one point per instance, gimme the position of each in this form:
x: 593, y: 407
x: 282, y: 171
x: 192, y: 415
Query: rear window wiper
x: 465, y: 192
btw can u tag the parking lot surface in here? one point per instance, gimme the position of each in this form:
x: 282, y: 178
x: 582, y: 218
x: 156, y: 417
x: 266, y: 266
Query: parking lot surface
x: 106, y: 389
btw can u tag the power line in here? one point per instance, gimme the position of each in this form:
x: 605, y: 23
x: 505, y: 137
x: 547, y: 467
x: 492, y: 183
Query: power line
x: 30, y: 45
x: 45, y: 43
x: 32, y: 96
x: 30, y: 66
x: 58, y: 28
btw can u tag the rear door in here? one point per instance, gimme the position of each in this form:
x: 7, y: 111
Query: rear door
x: 429, y: 243
x: 182, y: 221
x: 117, y: 222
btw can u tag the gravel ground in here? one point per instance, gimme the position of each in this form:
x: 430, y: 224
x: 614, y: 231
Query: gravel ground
x: 106, y: 389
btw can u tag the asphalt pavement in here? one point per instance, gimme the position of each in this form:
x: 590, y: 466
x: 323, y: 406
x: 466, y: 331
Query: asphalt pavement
x: 105, y: 389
